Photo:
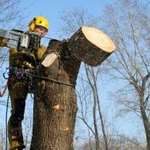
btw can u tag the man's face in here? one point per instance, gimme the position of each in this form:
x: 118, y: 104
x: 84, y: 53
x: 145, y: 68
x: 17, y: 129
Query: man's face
x: 41, y: 30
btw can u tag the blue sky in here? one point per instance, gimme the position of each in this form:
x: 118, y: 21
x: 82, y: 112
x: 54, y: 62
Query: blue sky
x: 52, y: 9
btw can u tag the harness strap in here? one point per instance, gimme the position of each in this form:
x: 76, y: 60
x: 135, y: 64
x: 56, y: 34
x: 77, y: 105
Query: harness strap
x: 28, y: 74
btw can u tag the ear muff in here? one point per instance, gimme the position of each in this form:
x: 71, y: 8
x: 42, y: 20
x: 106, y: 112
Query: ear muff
x: 32, y: 25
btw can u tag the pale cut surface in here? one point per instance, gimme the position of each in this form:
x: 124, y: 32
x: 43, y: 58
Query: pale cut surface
x: 98, y: 38
x: 49, y: 59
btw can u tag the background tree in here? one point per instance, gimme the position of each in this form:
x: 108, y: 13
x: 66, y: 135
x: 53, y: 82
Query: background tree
x: 117, y: 142
x: 9, y: 18
x: 128, y: 24
x: 72, y: 20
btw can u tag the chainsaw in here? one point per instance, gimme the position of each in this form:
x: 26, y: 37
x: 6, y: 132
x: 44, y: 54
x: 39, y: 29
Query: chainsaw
x: 19, y: 39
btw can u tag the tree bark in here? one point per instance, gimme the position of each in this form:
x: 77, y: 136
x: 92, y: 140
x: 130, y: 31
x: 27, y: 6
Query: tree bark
x: 55, y: 105
x: 91, y: 45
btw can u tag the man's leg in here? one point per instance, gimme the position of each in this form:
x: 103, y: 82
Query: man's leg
x: 14, y: 125
x: 18, y: 93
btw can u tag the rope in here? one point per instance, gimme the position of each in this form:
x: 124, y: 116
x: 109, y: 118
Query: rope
x: 53, y: 80
x: 6, y: 120
x: 4, y: 91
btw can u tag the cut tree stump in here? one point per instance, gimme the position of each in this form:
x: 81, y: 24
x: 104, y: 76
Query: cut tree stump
x: 91, y: 45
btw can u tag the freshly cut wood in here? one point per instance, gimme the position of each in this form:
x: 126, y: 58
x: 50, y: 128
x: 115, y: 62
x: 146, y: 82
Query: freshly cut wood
x: 91, y: 45
x: 49, y: 59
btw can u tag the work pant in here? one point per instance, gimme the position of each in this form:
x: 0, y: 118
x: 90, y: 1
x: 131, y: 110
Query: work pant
x: 18, y: 90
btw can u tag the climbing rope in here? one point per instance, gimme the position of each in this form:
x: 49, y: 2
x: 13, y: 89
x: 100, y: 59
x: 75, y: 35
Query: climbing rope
x: 54, y: 80
x: 6, y: 117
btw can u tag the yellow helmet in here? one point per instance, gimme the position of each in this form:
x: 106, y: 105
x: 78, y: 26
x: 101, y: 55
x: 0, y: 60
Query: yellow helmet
x: 38, y: 21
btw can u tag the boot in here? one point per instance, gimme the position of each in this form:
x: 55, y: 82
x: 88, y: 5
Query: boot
x: 16, y: 138
x: 16, y: 145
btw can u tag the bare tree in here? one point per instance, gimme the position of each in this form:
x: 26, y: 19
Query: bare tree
x: 10, y: 18
x: 72, y: 20
x: 128, y: 23
x: 92, y: 76
x: 118, y: 142
x: 9, y: 10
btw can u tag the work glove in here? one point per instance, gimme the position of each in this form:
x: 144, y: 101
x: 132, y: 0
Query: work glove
x: 40, y: 52
x: 2, y: 42
x: 28, y: 65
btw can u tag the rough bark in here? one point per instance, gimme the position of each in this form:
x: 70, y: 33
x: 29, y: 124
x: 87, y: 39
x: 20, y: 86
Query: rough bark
x: 55, y: 103
x: 91, y: 45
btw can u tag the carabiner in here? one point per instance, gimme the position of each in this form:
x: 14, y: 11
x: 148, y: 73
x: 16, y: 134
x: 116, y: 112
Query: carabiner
x: 4, y: 74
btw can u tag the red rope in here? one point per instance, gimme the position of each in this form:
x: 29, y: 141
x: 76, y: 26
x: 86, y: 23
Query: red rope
x: 4, y: 91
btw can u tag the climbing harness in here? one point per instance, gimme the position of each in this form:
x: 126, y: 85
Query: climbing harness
x: 29, y: 74
x: 6, y: 117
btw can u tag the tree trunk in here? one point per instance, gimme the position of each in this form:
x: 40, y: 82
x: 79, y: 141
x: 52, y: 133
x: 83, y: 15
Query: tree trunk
x: 145, y: 120
x: 55, y: 105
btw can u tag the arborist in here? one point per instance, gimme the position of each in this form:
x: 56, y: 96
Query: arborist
x: 19, y: 62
